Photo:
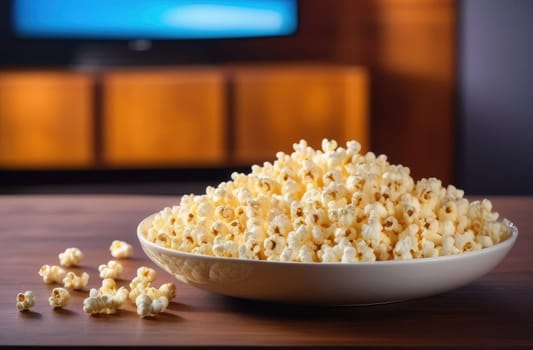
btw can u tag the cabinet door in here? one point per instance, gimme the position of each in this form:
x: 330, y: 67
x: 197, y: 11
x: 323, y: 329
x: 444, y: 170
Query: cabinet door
x: 275, y: 107
x: 45, y: 120
x: 164, y: 118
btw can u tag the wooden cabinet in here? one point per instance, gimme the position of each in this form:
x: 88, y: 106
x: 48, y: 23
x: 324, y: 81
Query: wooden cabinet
x: 45, y: 120
x: 274, y: 107
x: 177, y: 117
x: 164, y: 118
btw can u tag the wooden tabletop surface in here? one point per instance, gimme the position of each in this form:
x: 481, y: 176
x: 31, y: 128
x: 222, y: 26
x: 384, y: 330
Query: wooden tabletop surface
x: 494, y: 311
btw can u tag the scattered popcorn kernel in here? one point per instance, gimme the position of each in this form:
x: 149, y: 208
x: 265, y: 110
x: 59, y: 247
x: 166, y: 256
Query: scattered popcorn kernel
x: 73, y: 281
x: 142, y: 284
x: 120, y: 249
x: 146, y: 273
x: 113, y: 269
x: 70, y: 257
x: 25, y: 300
x: 147, y: 306
x: 138, y: 285
x: 109, y: 287
x: 60, y: 297
x: 52, y: 274
x: 332, y: 204
x: 104, y: 303
x: 137, y: 290
x: 168, y: 290
x: 94, y: 304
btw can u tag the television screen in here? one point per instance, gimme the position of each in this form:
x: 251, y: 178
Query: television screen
x: 153, y: 19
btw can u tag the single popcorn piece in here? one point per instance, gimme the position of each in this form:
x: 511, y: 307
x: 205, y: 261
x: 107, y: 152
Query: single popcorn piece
x: 113, y: 269
x: 146, y: 306
x: 73, y: 281
x: 25, y: 301
x: 52, y: 273
x: 95, y: 304
x: 144, y: 274
x: 349, y: 255
x: 109, y: 287
x: 60, y: 297
x: 120, y: 249
x: 333, y: 204
x: 167, y: 290
x: 70, y: 257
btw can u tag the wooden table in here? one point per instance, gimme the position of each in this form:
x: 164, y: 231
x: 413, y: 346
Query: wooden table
x: 494, y: 311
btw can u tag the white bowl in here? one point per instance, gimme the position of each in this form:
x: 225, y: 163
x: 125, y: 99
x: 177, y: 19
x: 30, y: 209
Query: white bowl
x: 326, y: 283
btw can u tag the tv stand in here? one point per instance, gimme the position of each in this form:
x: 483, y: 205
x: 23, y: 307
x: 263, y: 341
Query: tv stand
x: 178, y: 116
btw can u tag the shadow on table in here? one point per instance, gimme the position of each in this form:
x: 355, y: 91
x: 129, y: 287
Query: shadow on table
x: 451, y: 314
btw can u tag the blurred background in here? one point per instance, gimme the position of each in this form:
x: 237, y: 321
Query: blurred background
x: 168, y: 96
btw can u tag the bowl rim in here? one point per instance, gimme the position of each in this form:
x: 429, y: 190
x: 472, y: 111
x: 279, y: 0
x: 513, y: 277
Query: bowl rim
x: 505, y: 245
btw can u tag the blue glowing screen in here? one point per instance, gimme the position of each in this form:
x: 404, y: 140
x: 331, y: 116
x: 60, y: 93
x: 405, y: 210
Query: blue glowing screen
x: 154, y: 19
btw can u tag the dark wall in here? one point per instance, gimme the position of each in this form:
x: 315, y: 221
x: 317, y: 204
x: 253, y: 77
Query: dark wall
x: 496, y: 96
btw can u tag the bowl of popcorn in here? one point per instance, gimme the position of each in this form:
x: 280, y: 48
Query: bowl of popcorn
x: 329, y: 226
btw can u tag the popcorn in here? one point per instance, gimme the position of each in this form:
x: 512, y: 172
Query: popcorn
x: 60, y: 297
x: 305, y: 254
x: 286, y: 255
x: 371, y: 230
x: 70, y: 257
x: 221, y: 247
x: 52, y: 274
x: 146, y: 306
x: 318, y: 235
x: 113, y: 269
x: 167, y: 290
x: 405, y: 248
x: 141, y: 284
x: 448, y: 211
x: 448, y: 245
x: 109, y: 297
x: 349, y: 255
x: 466, y: 241
x: 365, y: 252
x: 330, y: 255
x: 145, y: 274
x: 25, y: 300
x: 95, y: 304
x: 249, y: 250
x: 73, y: 281
x: 274, y: 246
x: 332, y: 204
x: 120, y: 249
x: 429, y: 250
x: 280, y: 225
x: 298, y: 238
x: 109, y: 287
x: 103, y: 303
